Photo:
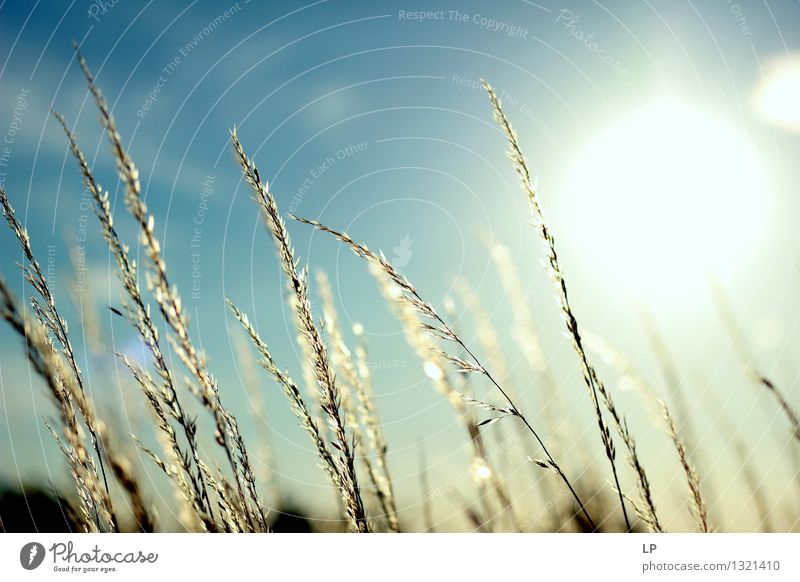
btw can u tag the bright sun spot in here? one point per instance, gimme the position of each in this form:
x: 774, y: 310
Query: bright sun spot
x: 665, y: 197
x: 778, y: 95
x: 480, y: 471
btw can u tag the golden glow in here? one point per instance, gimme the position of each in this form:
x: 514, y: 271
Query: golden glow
x: 664, y: 197
x: 778, y: 95
x: 480, y: 471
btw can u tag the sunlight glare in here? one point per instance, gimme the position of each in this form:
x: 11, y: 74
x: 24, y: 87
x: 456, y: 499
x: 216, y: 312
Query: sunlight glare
x: 665, y: 197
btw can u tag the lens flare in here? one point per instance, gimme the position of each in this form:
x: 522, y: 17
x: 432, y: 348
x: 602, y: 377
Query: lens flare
x: 777, y: 98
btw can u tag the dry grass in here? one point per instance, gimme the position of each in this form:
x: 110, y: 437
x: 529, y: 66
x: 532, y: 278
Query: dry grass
x: 698, y: 504
x: 593, y: 383
x: 360, y: 409
x: 745, y: 354
x: 328, y: 389
x: 170, y: 305
x: 338, y: 410
x: 426, y: 317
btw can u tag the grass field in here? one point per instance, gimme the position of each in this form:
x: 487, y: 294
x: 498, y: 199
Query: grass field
x: 527, y: 468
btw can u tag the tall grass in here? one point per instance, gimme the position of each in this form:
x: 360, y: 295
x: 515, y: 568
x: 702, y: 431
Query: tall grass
x: 427, y: 318
x: 340, y: 414
x: 593, y: 383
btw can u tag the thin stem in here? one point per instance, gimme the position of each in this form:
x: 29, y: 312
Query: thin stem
x: 557, y: 275
x: 413, y: 297
x: 530, y: 428
x: 138, y: 314
x: 784, y: 404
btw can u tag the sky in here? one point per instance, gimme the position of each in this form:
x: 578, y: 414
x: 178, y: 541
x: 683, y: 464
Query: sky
x: 663, y: 135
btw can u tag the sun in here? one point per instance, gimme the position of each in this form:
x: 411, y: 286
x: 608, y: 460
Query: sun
x: 665, y: 197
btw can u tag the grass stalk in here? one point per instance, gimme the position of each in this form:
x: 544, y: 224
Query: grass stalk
x: 298, y: 283
x: 557, y: 274
x: 408, y: 294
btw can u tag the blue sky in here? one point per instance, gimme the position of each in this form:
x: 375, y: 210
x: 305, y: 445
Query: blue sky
x: 369, y: 118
